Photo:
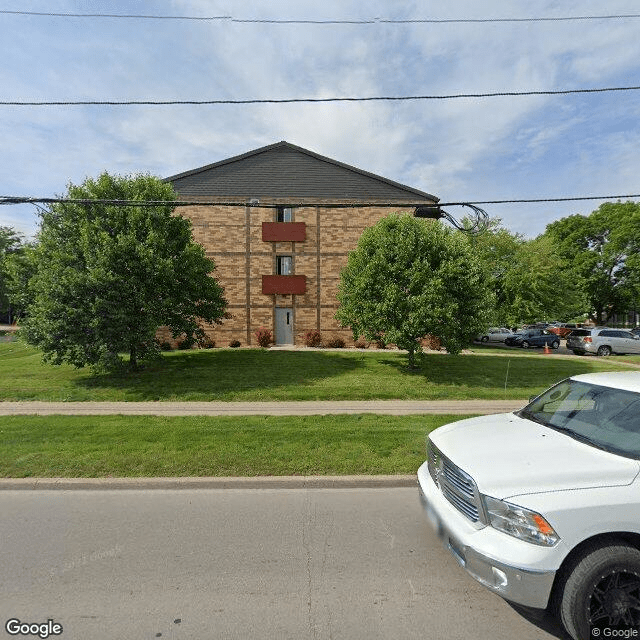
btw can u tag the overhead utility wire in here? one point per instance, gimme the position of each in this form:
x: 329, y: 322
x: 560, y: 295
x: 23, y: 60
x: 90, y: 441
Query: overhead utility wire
x: 57, y: 103
x: 320, y: 22
x: 9, y: 200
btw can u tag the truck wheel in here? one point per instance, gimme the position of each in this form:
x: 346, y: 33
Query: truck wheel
x: 484, y: 339
x: 555, y: 344
x: 602, y: 592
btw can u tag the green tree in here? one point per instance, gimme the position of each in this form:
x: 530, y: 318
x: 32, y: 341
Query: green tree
x: 536, y: 285
x: 528, y: 277
x: 19, y: 267
x: 602, y: 249
x: 409, y: 278
x: 11, y: 244
x: 497, y: 248
x: 109, y: 275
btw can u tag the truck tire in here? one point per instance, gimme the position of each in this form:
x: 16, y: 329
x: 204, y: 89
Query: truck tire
x: 602, y: 591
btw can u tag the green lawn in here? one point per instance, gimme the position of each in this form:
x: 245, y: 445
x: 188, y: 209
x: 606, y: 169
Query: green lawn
x: 260, y: 374
x: 85, y: 446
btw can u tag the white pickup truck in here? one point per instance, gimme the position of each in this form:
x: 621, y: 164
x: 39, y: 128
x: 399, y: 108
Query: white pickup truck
x: 542, y: 506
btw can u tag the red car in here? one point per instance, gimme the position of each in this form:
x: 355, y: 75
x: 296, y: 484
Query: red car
x: 563, y: 329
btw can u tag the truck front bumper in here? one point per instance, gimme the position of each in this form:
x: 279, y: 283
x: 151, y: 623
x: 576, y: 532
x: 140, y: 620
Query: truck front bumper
x: 530, y: 587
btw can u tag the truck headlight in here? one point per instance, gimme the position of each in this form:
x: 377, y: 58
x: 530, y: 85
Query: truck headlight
x: 520, y: 522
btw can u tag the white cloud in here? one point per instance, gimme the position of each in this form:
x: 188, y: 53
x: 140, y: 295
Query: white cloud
x: 457, y: 149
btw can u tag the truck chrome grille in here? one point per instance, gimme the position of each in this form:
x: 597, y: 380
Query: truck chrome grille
x: 457, y: 487
x: 459, y: 479
x: 432, y: 460
x: 462, y: 505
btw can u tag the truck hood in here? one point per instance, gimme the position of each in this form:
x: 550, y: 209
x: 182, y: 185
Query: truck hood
x: 508, y: 456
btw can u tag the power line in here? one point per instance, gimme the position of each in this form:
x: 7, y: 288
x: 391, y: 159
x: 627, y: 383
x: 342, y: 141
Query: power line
x: 322, y: 22
x: 13, y: 200
x: 122, y: 103
x: 535, y: 200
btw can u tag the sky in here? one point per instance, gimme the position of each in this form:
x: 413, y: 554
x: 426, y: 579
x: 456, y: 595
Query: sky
x: 461, y: 150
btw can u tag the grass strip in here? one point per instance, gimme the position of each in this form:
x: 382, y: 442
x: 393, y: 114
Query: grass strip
x: 150, y: 446
x: 262, y: 374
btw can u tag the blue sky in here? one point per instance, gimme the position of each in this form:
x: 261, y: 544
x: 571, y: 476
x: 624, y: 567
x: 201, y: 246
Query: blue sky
x: 459, y: 150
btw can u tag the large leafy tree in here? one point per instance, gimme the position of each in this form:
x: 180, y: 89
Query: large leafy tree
x: 528, y: 277
x: 11, y: 245
x: 409, y: 278
x: 109, y: 275
x: 602, y: 250
x: 536, y: 286
x: 497, y: 248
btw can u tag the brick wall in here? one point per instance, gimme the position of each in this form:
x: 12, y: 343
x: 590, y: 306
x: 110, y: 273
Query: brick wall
x: 232, y: 237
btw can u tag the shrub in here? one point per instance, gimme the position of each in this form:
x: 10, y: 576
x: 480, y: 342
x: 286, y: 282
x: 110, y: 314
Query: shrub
x: 234, y: 344
x: 207, y: 343
x: 165, y: 346
x: 186, y: 343
x: 360, y: 344
x: 336, y: 343
x: 313, y: 338
x: 264, y: 337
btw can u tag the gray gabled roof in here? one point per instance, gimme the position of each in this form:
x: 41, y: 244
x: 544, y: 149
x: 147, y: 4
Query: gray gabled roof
x: 282, y: 171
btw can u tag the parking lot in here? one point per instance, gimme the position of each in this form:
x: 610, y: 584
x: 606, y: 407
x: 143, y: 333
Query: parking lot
x: 561, y: 350
x: 564, y: 339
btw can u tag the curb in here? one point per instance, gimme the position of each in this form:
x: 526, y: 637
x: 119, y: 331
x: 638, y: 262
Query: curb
x: 257, y: 482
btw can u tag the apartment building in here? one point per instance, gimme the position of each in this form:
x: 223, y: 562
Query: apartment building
x: 279, y: 222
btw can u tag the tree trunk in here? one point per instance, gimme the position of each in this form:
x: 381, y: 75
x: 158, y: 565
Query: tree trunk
x: 133, y: 357
x: 412, y: 360
x: 598, y: 315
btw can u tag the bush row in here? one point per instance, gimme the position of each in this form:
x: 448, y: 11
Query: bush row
x: 312, y: 338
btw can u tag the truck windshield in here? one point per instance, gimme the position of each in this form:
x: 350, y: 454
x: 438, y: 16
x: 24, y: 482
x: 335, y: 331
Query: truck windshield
x: 606, y: 418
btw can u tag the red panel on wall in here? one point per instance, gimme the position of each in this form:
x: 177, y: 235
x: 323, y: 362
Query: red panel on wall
x: 284, y: 284
x: 284, y: 232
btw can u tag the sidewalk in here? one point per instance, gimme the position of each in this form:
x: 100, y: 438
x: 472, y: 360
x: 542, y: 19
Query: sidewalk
x: 303, y: 408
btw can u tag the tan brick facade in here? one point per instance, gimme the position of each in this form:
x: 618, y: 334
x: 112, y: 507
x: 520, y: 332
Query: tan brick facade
x: 331, y: 205
x: 232, y: 237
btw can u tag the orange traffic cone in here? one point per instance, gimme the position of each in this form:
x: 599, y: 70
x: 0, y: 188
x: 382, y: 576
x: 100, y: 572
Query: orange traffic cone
x: 547, y: 351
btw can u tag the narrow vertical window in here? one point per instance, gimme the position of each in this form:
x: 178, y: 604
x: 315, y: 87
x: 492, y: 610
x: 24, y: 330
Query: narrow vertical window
x: 284, y: 265
x: 285, y: 214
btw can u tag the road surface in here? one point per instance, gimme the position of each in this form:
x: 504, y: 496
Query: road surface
x: 240, y: 563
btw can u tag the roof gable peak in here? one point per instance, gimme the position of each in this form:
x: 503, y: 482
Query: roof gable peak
x: 288, y: 158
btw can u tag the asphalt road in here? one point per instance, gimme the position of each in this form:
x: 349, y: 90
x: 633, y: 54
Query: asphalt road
x: 241, y: 563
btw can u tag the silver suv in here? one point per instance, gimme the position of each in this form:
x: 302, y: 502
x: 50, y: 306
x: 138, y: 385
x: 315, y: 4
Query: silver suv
x: 602, y: 341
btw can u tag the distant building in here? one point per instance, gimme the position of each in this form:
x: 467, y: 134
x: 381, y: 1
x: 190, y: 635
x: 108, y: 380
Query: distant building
x: 283, y: 223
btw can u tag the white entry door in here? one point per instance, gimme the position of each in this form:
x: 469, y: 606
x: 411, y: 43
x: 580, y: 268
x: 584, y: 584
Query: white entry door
x: 284, y: 326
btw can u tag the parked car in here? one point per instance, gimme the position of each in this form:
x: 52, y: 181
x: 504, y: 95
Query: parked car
x: 533, y: 338
x: 636, y: 331
x: 542, y: 506
x: 537, y: 325
x: 563, y: 329
x: 602, y: 341
x: 495, y: 334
